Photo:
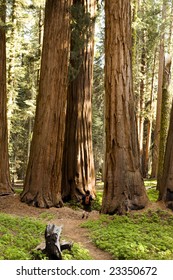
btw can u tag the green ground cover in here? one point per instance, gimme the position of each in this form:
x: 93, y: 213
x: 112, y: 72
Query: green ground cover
x: 134, y: 236
x: 20, y: 236
x: 139, y: 235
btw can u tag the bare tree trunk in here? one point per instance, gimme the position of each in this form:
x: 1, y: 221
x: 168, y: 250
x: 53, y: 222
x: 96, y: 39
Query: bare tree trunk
x: 42, y: 186
x: 78, y: 163
x: 5, y: 183
x: 142, y: 100
x: 123, y: 186
x: 146, y: 154
x: 11, y: 75
x: 166, y: 189
x: 165, y: 117
x: 159, y: 99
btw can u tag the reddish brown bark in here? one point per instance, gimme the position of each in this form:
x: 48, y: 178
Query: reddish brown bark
x: 123, y: 184
x: 78, y: 166
x: 42, y: 185
x: 155, y: 157
x: 5, y: 183
x: 166, y: 185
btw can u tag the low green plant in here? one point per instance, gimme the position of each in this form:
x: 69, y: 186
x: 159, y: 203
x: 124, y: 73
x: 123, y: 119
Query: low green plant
x: 18, y: 190
x: 96, y: 204
x: 153, y: 194
x: 135, y: 236
x: 20, y: 236
x: 77, y: 253
x: 75, y: 205
x: 47, y: 216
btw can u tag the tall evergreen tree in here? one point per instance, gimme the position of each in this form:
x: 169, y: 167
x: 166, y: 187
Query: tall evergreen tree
x: 159, y: 94
x: 123, y: 186
x: 165, y: 116
x: 5, y: 184
x: 78, y: 166
x: 98, y: 95
x: 166, y: 185
x: 146, y: 19
x: 42, y: 186
x: 27, y: 65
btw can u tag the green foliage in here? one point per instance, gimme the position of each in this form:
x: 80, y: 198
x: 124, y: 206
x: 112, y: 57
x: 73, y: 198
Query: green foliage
x: 77, y: 253
x: 23, y: 62
x: 20, y: 236
x: 150, y: 183
x: 47, y: 216
x: 96, y: 204
x: 81, y: 23
x: 152, y: 192
x: 75, y: 205
x: 98, y: 97
x: 136, y: 236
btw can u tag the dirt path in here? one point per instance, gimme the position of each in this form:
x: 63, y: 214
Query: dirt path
x: 69, y: 218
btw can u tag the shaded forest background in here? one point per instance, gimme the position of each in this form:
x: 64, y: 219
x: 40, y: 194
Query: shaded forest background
x: 24, y: 43
x: 152, y: 81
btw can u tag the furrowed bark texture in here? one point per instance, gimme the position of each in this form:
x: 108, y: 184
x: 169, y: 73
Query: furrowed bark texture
x: 166, y: 185
x: 165, y: 117
x: 42, y: 186
x: 123, y: 186
x: 78, y: 166
x: 5, y: 183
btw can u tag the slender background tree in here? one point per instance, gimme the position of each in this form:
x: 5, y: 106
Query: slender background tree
x: 5, y: 183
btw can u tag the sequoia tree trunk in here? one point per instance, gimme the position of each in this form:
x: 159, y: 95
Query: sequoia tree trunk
x: 166, y: 185
x: 149, y: 121
x: 5, y: 183
x: 123, y: 184
x: 42, y: 186
x: 78, y: 165
x: 165, y: 117
x: 155, y: 152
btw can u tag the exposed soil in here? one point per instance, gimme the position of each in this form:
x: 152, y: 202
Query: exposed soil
x: 69, y: 218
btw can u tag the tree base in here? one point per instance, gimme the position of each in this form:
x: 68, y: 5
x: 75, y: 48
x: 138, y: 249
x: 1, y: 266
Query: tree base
x: 6, y: 189
x: 40, y: 201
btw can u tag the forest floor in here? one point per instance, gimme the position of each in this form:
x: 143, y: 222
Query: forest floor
x: 69, y: 218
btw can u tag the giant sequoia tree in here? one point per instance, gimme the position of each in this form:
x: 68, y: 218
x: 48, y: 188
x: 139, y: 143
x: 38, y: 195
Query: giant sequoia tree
x: 123, y: 186
x: 42, y: 186
x: 78, y: 166
x: 166, y: 182
x: 5, y: 184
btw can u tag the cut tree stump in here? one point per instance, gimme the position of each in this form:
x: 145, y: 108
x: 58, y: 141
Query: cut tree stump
x: 52, y: 246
